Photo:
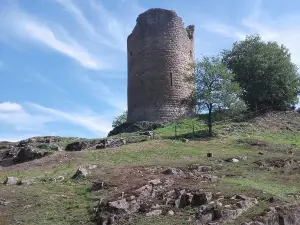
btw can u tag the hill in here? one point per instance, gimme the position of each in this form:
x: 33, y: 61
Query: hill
x: 166, y: 178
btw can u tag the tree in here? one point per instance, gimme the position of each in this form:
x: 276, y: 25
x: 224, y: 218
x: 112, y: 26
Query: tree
x: 265, y: 73
x: 119, y: 120
x: 215, y: 88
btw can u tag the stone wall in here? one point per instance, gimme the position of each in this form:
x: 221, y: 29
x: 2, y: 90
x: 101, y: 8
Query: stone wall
x: 160, y: 53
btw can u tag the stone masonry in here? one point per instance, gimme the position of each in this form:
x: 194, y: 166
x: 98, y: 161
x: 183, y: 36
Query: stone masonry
x: 160, y: 55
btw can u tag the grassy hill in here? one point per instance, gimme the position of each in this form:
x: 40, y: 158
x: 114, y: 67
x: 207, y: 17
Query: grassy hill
x: 267, y: 149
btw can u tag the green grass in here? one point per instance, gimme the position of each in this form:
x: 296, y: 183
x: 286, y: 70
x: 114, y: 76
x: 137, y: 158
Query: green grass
x: 70, y: 202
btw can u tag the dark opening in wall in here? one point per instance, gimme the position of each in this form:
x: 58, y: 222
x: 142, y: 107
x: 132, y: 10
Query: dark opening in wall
x: 191, y: 53
x: 171, y: 79
x: 130, y: 53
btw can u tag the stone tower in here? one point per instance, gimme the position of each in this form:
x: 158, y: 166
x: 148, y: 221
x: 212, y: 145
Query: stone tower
x: 160, y: 52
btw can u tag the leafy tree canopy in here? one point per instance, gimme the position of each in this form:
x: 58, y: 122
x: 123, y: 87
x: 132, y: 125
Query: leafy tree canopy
x: 215, y: 88
x: 265, y: 73
x: 119, y: 120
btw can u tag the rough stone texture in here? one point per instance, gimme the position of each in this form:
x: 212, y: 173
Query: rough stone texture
x: 160, y: 52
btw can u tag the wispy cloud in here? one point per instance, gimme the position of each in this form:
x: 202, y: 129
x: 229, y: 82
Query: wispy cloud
x: 109, y: 30
x: 92, y: 121
x: 24, y: 26
x: 285, y: 29
x: 10, y: 107
x: 35, y: 118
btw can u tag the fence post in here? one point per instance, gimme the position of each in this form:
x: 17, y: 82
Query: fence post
x: 193, y: 131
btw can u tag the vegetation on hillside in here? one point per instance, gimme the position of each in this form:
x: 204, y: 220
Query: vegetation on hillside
x: 265, y: 72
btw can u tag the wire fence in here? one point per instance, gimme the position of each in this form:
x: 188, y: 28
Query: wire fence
x: 192, y: 133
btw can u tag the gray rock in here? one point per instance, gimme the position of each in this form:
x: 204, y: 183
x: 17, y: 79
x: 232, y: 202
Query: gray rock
x: 171, y: 213
x: 80, y: 173
x: 11, y: 181
x: 201, y: 199
x: 120, y: 206
x: 156, y: 212
x: 3, y: 202
x: 173, y: 171
x: 155, y: 182
x: 91, y: 167
x: 26, y: 182
x: 28, y: 153
x: 76, y: 146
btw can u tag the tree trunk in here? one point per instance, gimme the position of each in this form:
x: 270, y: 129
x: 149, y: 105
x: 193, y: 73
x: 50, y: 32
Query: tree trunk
x: 210, y: 120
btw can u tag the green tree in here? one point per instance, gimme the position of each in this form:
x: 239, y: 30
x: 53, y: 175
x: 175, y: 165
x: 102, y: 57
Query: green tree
x: 119, y: 120
x: 265, y: 73
x: 215, y: 88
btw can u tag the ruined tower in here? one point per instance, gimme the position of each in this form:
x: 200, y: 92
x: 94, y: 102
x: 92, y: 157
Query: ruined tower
x: 160, y: 51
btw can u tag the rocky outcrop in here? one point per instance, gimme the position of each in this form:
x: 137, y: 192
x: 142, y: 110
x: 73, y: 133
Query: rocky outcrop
x: 142, y: 126
x: 279, y: 215
x: 99, y: 144
x: 28, y: 153
x: 156, y: 200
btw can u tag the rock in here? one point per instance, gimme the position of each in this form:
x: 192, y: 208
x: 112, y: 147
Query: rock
x: 234, y: 160
x: 114, y: 143
x: 28, y: 153
x: 171, y: 213
x: 60, y: 179
x: 91, y: 167
x: 183, y: 199
x: 185, y: 140
x: 11, y: 181
x: 242, y: 157
x: 173, y: 171
x: 241, y: 197
x: 80, y: 173
x: 260, y: 153
x: 148, y: 133
x: 156, y: 212
x: 26, y: 182
x: 155, y: 182
x: 209, y: 154
x: 100, y: 146
x: 60, y: 148
x: 201, y: 199
x: 145, y: 191
x: 3, y: 202
x: 120, y: 206
x: 98, y: 186
x: 76, y: 146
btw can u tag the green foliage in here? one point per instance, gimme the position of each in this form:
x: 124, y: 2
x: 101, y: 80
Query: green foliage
x: 119, y: 120
x: 215, y: 88
x: 265, y: 73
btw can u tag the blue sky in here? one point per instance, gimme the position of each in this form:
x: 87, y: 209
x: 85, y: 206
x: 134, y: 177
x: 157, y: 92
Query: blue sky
x: 63, y: 62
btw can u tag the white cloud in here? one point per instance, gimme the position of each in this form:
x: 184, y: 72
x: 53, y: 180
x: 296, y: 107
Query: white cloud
x: 284, y: 29
x: 10, y: 107
x: 21, y: 25
x: 34, y: 118
x: 92, y: 122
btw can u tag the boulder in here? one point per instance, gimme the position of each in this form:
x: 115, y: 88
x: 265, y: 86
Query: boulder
x: 134, y: 127
x: 28, y: 153
x: 76, y: 146
x: 173, y: 171
x: 11, y: 181
x: 80, y: 173
x: 156, y: 212
x: 199, y: 199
